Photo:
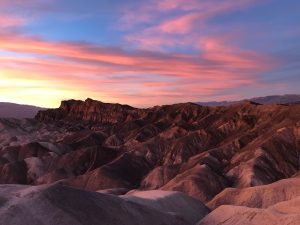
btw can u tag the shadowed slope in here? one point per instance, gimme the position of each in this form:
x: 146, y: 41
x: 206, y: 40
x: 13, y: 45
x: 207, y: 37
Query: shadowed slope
x: 56, y: 204
x: 168, y: 201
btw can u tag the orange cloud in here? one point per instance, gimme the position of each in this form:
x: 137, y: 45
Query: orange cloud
x: 84, y: 70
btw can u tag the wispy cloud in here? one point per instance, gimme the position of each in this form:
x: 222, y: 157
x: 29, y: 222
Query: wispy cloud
x: 181, y: 19
x: 7, y: 21
x: 86, y: 66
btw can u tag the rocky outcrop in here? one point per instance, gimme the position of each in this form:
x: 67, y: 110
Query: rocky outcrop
x: 88, y: 110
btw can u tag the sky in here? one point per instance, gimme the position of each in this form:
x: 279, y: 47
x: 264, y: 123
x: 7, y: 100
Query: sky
x: 149, y: 52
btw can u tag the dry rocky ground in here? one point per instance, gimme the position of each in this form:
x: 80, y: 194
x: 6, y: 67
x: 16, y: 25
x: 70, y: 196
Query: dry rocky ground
x: 89, y: 162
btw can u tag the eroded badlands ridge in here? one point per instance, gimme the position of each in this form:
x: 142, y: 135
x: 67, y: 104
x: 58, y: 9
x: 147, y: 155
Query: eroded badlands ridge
x: 186, y: 147
x: 200, y: 151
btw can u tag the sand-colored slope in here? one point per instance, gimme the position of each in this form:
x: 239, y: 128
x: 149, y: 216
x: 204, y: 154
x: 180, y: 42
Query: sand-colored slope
x: 283, y: 213
x: 259, y: 196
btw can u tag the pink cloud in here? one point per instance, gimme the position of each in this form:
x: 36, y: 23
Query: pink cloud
x: 180, y: 25
x: 204, y: 5
x: 182, y: 18
x: 96, y: 71
x: 10, y: 21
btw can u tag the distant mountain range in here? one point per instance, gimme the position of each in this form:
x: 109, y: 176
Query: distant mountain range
x: 272, y: 99
x: 11, y: 110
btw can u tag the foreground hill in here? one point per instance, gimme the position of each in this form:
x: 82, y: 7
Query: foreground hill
x: 11, y: 110
x: 283, y: 213
x: 259, y: 196
x: 198, y: 150
x: 56, y: 204
x: 276, y: 203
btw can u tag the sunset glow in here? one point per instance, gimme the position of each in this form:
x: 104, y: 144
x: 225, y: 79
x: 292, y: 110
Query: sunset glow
x: 146, y: 53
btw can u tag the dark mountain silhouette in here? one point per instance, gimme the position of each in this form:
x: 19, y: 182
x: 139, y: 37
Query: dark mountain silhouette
x: 272, y: 99
x: 12, y: 110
